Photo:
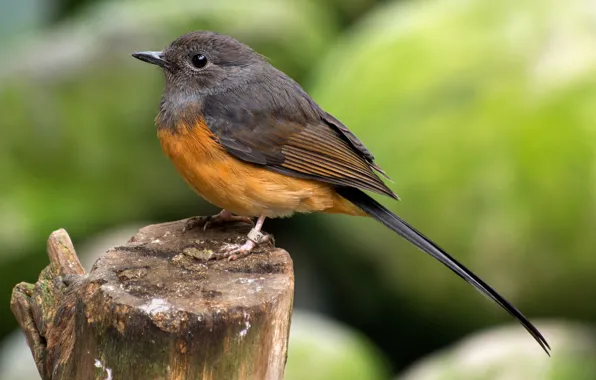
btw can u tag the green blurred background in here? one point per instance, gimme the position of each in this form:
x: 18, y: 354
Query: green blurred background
x: 483, y: 113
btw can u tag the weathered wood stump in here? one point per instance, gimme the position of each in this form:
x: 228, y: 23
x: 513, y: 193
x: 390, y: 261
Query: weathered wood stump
x: 155, y: 308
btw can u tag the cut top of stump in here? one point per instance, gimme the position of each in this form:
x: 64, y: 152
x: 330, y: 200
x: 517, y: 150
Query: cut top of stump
x: 165, y: 272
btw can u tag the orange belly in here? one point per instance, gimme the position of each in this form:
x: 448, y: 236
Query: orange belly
x: 240, y: 187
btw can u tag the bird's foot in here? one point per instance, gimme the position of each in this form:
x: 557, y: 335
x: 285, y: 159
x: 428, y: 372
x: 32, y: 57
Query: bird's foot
x: 209, y: 221
x: 226, y: 216
x: 235, y: 251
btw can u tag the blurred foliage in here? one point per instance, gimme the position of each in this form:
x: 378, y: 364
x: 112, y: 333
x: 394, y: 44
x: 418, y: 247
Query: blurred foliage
x: 65, y: 8
x: 504, y: 353
x: 321, y: 349
x: 483, y: 113
x: 21, y: 17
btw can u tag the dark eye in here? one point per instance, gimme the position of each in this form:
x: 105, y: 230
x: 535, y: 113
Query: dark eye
x: 199, y: 61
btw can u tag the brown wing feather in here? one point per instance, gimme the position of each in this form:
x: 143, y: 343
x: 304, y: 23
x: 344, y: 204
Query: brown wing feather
x: 276, y: 125
x: 321, y: 151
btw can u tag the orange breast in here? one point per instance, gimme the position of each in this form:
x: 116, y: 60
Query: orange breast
x: 241, y: 187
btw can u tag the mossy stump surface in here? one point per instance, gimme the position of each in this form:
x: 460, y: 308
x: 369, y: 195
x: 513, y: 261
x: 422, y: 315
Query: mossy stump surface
x: 156, y: 308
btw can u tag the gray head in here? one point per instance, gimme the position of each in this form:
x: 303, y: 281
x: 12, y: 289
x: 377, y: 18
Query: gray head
x: 205, y: 62
x: 206, y: 71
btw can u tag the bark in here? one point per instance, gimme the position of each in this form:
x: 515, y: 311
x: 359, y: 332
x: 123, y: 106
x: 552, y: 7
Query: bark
x: 157, y: 308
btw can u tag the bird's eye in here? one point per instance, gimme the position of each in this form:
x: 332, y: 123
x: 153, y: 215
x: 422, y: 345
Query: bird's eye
x: 199, y: 61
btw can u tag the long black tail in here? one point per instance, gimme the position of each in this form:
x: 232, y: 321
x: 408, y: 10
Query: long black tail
x: 394, y: 222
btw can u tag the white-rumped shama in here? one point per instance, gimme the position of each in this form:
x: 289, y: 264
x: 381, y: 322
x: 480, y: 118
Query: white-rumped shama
x: 249, y: 139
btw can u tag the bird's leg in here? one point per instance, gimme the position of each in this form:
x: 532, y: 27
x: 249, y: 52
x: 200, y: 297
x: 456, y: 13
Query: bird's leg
x: 224, y: 216
x: 255, y: 237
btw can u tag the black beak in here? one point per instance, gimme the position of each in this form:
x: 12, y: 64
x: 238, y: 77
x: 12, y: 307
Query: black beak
x: 153, y: 57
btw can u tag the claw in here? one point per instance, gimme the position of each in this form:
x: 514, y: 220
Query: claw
x: 234, y: 251
x: 194, y: 222
x: 226, y: 217
x: 208, y: 221
x: 255, y: 237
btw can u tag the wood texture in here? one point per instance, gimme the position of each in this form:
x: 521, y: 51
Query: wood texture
x: 157, y: 308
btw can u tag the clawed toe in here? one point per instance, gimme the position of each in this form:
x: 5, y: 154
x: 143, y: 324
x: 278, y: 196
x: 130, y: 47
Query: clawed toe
x: 232, y: 251
x: 214, y: 220
x: 235, y: 251
x: 209, y: 221
x: 195, y: 222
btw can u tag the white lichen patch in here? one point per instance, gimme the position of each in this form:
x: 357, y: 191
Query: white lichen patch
x: 247, y: 326
x: 246, y: 280
x: 108, y: 371
x: 156, y: 305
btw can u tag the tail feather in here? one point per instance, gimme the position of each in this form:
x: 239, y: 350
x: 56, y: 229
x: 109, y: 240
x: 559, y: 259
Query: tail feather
x: 395, y: 223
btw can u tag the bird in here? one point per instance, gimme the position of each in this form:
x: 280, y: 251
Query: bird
x: 249, y: 139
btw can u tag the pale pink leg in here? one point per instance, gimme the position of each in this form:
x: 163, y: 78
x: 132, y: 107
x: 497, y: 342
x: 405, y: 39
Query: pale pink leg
x: 254, y: 237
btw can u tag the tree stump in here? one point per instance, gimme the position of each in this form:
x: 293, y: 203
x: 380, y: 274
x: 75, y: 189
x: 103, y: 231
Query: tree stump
x: 157, y: 308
